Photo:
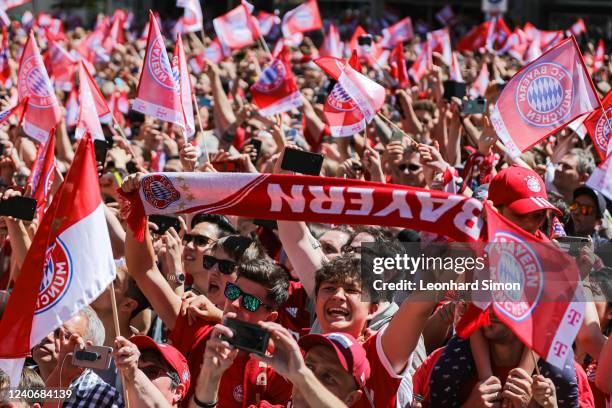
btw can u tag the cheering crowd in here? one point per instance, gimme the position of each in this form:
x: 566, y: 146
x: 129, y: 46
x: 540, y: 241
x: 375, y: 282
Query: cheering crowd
x: 209, y: 227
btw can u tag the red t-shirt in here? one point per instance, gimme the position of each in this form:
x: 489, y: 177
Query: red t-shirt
x: 384, y: 388
x: 294, y: 314
x: 245, y: 383
x: 423, y: 374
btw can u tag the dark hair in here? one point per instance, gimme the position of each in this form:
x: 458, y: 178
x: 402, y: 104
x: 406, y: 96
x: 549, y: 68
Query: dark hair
x: 30, y: 380
x: 346, y: 268
x: 222, y: 223
x: 270, y: 276
x: 239, y: 248
x: 132, y: 291
x: 376, y: 232
x: 425, y: 104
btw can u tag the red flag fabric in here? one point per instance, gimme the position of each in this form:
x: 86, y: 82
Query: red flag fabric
x: 332, y: 46
x: 180, y: 64
x: 397, y: 33
x: 214, y: 53
x: 9, y: 4
x: 549, y: 39
x: 301, y: 19
x: 43, y: 111
x: 598, y: 58
x: 543, y: 97
x: 267, y: 21
x: 5, y: 67
x: 276, y: 90
x: 446, y: 16
x: 423, y: 63
x: 476, y: 38
x: 544, y: 313
x: 455, y: 69
x: 192, y: 19
x: 368, y: 54
x: 61, y: 66
x: 158, y: 92
x: 68, y: 265
x: 578, y: 27
x: 441, y: 43
x: 17, y: 109
x: 43, y: 174
x: 598, y: 126
x: 398, y: 66
x: 72, y: 108
x: 480, y: 85
x: 601, y: 179
x: 92, y: 106
x: 517, y: 44
x: 237, y: 28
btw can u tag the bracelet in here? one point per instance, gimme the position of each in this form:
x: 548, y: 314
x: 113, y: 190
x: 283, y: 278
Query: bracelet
x: 204, y: 404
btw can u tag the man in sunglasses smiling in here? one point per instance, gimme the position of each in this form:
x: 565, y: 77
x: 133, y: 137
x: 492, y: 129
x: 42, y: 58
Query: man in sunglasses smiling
x: 587, y: 212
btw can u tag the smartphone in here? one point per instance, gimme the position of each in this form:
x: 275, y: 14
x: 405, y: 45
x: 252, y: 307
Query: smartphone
x: 225, y: 166
x: 100, y: 148
x: 302, y: 162
x: 256, y: 143
x: 454, y: 88
x: 269, y: 224
x: 96, y: 357
x: 364, y: 40
x: 474, y: 106
x: 248, y: 337
x: 22, y: 208
x: 164, y: 223
x: 572, y: 245
x: 1, y: 149
x: 396, y: 135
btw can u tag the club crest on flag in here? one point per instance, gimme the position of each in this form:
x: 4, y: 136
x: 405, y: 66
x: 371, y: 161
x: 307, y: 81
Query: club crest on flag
x: 159, y: 65
x: 512, y: 260
x: 303, y: 19
x: 602, y: 132
x: 159, y: 191
x: 272, y: 77
x: 545, y: 94
x: 35, y: 82
x: 57, y: 276
x: 340, y: 100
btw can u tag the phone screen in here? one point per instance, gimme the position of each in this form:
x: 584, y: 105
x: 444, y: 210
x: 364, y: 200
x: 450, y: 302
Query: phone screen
x: 164, y: 223
x: 247, y: 336
x: 302, y: 162
x: 22, y: 208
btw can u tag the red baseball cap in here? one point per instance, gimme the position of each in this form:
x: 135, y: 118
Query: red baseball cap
x: 350, y: 353
x: 171, y: 355
x: 521, y: 190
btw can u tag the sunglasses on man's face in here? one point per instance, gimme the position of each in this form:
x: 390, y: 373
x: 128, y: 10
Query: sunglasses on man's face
x: 152, y: 372
x: 198, y: 240
x: 225, y: 267
x: 410, y: 166
x: 581, y: 209
x: 248, y: 301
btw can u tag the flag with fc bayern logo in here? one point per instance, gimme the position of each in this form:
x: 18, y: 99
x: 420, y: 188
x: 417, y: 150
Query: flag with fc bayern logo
x: 543, y: 97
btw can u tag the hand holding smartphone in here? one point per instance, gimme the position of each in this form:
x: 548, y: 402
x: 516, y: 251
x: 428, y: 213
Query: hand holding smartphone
x: 22, y: 208
x: 247, y: 336
x: 302, y: 162
x: 96, y: 357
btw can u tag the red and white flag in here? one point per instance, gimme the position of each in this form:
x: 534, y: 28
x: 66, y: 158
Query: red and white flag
x: 119, y: 105
x: 517, y: 44
x: 543, y: 97
x: 601, y: 179
x: 372, y: 54
x: 180, y: 63
x: 480, y: 85
x: 17, y: 109
x: 598, y: 58
x: 92, y: 106
x: 214, y: 53
x: 446, y: 16
x: 9, y: 4
x: 192, y: 19
x: 475, y: 39
x: 423, y: 63
x: 72, y: 108
x: 441, y: 43
x: 116, y: 34
x: 534, y: 51
x: 397, y: 62
x: 158, y: 92
x: 237, y: 28
x: 578, y: 28
x: 598, y: 125
x: 397, y: 33
x: 547, y: 311
x: 61, y: 66
x: 303, y: 18
x: 276, y: 90
x: 368, y: 95
x: 332, y: 46
x: 43, y: 111
x: 5, y: 67
x: 43, y: 174
x: 549, y: 39
x: 455, y: 69
x: 69, y: 264
x: 267, y: 21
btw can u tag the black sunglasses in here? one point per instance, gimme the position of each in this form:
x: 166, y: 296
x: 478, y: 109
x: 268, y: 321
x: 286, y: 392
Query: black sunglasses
x: 409, y: 166
x: 248, y: 301
x: 152, y: 372
x: 198, y: 240
x: 225, y: 267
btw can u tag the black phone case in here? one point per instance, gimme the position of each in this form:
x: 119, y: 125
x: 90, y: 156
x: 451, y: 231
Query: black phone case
x: 22, y: 208
x: 245, y: 335
x: 302, y: 162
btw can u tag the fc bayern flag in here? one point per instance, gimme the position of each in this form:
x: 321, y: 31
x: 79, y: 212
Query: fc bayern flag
x: 423, y: 63
x: 397, y: 33
x: 601, y: 179
x: 398, y: 66
x: 237, y: 28
x: 267, y: 21
x: 476, y: 38
x: 179, y: 62
x: 545, y: 312
x: 598, y: 58
x: 332, y: 46
x: 43, y: 111
x: 158, y: 92
x: 480, y: 85
x: 276, y: 91
x: 92, y: 106
x: 72, y: 108
x: 543, y: 97
x: 5, y: 67
x: 43, y: 174
x: 61, y: 65
x: 598, y: 126
x: 9, y: 4
x: 301, y: 19
x: 192, y: 20
x: 441, y: 43
x: 68, y: 266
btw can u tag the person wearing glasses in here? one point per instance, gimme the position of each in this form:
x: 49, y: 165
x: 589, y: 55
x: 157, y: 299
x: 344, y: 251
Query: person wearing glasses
x: 155, y: 375
x: 587, y: 212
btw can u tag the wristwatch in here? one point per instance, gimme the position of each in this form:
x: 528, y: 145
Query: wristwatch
x: 178, y: 278
x: 204, y: 404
